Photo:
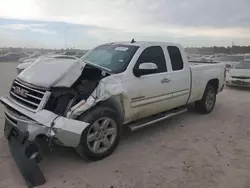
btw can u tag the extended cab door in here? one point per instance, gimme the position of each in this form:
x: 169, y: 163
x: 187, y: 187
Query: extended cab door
x: 179, y: 75
x: 151, y: 93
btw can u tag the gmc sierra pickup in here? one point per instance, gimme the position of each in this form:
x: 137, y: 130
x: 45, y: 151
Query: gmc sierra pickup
x: 86, y: 103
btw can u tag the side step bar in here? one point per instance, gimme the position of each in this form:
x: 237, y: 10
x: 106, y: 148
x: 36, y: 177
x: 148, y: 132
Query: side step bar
x: 137, y: 125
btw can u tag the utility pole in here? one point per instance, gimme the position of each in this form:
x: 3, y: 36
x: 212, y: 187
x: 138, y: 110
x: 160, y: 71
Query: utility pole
x: 65, y: 39
x: 232, y: 47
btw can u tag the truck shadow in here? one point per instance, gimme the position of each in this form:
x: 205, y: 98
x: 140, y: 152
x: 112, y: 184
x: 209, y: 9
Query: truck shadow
x: 238, y: 88
x: 59, y: 153
x: 62, y: 161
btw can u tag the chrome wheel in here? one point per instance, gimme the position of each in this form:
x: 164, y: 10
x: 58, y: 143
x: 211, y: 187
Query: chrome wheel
x: 210, y: 99
x: 101, y: 135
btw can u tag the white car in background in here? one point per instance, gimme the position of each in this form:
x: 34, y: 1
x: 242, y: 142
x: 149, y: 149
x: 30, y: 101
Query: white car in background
x: 232, y: 61
x: 247, y: 57
x: 240, y: 75
x: 29, y: 62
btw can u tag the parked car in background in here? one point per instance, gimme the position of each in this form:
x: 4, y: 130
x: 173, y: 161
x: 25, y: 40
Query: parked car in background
x: 240, y: 75
x: 232, y: 60
x: 12, y: 56
x: 247, y: 57
x: 31, y: 55
x: 51, y: 58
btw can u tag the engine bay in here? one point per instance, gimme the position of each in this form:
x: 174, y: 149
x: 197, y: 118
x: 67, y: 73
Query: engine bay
x: 63, y: 98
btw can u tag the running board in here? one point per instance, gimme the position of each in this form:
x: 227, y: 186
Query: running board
x: 137, y: 125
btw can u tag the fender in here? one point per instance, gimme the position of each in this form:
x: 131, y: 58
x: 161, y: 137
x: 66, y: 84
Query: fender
x: 115, y: 102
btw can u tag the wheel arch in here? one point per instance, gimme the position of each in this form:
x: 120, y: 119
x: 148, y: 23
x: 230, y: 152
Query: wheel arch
x: 214, y: 82
x: 115, y: 103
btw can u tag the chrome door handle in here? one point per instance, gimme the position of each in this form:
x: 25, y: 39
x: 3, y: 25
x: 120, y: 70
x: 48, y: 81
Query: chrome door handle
x: 165, y: 80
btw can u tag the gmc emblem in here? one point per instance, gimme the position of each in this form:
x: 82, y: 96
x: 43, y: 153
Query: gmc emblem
x: 21, y: 91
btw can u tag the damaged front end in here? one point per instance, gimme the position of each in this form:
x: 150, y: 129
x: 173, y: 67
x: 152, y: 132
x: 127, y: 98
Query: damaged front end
x: 32, y: 111
x: 23, y: 127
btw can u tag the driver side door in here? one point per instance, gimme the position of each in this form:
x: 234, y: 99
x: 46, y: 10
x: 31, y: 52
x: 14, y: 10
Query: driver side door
x: 148, y: 93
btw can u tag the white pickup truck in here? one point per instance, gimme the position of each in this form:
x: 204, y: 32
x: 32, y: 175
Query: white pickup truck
x: 86, y: 103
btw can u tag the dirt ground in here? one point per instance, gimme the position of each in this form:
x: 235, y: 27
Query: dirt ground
x: 188, y: 151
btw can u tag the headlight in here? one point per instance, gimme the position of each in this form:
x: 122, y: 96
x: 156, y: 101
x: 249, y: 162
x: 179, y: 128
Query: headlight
x: 228, y: 75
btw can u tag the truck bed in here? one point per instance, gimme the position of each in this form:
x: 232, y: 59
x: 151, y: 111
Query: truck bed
x: 201, y: 73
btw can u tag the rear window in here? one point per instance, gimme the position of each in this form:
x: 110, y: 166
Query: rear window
x: 175, y: 57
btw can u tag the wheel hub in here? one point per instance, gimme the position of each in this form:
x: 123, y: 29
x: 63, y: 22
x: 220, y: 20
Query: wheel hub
x: 210, y: 99
x: 101, y: 135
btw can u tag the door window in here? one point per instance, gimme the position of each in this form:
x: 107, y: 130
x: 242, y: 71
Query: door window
x: 175, y: 57
x: 153, y: 54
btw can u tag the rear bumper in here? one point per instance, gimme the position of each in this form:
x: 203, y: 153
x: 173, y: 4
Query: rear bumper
x: 66, y: 131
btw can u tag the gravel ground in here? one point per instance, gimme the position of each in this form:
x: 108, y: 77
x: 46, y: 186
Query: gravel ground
x: 190, y: 151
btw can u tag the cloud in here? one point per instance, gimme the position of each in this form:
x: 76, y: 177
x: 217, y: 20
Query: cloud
x: 193, y: 22
x: 38, y: 25
x: 15, y: 26
x: 44, y: 31
x: 31, y: 27
x: 164, y: 17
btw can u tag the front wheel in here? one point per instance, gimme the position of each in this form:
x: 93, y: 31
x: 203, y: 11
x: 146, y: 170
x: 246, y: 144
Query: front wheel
x: 207, y: 103
x: 102, y: 136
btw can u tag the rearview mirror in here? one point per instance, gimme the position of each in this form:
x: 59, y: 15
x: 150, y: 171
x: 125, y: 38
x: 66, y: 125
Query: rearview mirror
x: 145, y: 68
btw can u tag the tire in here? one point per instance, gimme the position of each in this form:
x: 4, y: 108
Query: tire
x: 207, y: 103
x: 87, y: 148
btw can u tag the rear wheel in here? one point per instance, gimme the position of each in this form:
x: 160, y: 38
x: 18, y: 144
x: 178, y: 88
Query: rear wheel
x: 102, y: 136
x: 207, y: 103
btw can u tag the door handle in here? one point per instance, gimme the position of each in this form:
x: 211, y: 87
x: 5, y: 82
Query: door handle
x: 165, y: 80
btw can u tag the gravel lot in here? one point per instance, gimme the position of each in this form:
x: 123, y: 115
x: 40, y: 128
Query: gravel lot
x: 191, y: 151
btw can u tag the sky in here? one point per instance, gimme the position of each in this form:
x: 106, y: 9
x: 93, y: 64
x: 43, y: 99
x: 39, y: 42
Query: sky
x: 87, y: 23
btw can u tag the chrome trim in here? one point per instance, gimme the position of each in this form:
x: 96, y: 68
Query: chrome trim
x: 38, y: 98
x: 8, y: 113
x: 24, y: 99
x: 21, y: 105
x: 179, y: 95
x: 37, y: 106
x: 157, y: 120
x: 11, y: 122
x: 44, y: 101
x: 30, y: 85
x: 30, y: 88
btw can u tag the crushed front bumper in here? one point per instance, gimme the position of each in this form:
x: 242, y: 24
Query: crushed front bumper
x: 22, y: 127
x: 25, y: 153
x: 66, y: 131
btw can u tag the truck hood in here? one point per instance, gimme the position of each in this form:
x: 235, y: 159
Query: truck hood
x: 52, y: 73
x: 240, y: 72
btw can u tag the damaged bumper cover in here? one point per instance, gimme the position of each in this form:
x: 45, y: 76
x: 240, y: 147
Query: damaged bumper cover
x: 66, y: 131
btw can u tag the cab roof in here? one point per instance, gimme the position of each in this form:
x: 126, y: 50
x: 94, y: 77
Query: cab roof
x: 144, y: 43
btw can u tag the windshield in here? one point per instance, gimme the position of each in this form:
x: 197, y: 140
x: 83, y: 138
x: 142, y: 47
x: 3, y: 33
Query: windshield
x: 113, y: 57
x: 243, y: 65
x: 232, y: 58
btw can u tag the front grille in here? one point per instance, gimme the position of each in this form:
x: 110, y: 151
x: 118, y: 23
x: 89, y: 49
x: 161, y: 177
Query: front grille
x: 241, y: 77
x: 27, y: 95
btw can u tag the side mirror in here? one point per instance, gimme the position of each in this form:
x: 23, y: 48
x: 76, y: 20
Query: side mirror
x: 145, y: 68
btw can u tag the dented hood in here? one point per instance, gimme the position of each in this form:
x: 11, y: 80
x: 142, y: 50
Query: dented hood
x: 52, y: 73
